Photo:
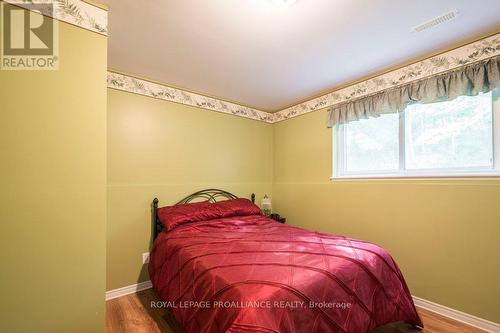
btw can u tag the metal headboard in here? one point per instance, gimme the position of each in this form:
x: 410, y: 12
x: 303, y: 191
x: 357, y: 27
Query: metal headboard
x: 211, y: 195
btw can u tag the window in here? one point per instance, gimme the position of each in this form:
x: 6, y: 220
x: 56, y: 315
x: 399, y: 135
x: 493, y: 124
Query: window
x: 453, y: 138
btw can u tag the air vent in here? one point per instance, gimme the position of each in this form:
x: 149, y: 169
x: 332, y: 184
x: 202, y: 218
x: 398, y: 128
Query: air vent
x: 445, y: 17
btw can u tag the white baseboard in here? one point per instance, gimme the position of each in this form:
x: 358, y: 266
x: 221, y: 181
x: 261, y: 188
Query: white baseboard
x: 128, y: 290
x: 463, y: 317
x: 442, y: 310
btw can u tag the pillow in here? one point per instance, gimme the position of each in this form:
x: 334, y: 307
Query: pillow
x: 173, y: 216
x: 236, y: 207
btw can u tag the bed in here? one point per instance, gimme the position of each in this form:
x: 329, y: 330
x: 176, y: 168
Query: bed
x: 249, y: 273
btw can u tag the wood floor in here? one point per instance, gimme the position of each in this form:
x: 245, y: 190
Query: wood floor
x: 132, y: 313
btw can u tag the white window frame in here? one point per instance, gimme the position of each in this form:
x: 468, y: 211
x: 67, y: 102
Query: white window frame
x: 339, y: 160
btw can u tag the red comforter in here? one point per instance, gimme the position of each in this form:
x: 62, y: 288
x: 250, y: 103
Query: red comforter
x: 252, y: 274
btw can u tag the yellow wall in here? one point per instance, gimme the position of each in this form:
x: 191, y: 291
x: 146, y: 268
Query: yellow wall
x: 167, y: 150
x: 53, y: 191
x: 443, y: 233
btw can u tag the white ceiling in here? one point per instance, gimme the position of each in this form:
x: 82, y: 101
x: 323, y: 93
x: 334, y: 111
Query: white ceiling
x: 270, y: 57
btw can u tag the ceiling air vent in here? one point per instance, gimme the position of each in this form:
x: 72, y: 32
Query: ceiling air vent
x: 448, y: 16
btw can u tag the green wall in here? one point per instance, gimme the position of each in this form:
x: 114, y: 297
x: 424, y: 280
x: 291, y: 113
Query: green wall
x: 443, y: 233
x: 53, y: 190
x: 167, y: 150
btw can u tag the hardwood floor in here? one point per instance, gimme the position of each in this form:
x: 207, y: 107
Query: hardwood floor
x: 133, y: 313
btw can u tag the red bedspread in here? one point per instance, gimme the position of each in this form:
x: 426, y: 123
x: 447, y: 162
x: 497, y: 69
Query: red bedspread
x: 252, y: 274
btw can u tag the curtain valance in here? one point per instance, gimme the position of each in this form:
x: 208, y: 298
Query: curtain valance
x: 468, y: 80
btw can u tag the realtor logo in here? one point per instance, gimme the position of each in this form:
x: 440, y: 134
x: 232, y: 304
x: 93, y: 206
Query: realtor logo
x: 29, y: 36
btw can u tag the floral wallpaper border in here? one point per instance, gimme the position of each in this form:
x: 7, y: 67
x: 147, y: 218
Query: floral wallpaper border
x: 76, y: 12
x: 142, y: 87
x: 470, y: 53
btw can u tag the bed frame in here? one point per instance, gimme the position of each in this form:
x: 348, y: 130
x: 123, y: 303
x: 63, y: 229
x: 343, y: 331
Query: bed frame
x: 211, y: 195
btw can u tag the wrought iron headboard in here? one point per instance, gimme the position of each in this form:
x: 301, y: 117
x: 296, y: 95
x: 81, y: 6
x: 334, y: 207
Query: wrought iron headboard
x: 211, y: 195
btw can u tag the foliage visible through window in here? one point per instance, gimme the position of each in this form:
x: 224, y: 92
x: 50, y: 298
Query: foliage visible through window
x: 448, y: 138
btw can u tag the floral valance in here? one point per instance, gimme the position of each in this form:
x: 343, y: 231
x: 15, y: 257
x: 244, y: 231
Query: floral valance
x: 468, y: 80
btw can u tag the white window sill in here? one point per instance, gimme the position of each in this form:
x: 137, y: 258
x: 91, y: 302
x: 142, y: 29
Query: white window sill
x: 489, y: 175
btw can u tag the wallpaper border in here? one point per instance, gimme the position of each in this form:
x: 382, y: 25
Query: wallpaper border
x: 147, y: 88
x: 76, y: 12
x: 480, y: 50
x: 94, y: 18
x: 473, y: 52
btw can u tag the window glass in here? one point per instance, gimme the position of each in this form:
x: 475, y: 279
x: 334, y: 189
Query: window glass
x: 372, y: 144
x: 454, y: 134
